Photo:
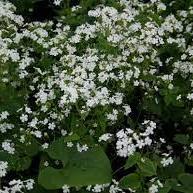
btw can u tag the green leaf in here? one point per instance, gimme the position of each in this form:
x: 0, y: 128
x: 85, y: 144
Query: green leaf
x: 39, y: 189
x: 182, y: 139
x: 151, y: 105
x: 132, y: 160
x: 22, y: 164
x: 147, y: 167
x: 169, y: 184
x: 186, y: 179
x: 73, y: 137
x: 82, y: 169
x: 57, y: 150
x: 10, y: 99
x: 164, y: 189
x: 189, y: 160
x: 187, y: 183
x: 174, y: 170
x: 16, y: 163
x: 183, y: 189
x: 51, y: 178
x: 31, y: 148
x: 130, y: 181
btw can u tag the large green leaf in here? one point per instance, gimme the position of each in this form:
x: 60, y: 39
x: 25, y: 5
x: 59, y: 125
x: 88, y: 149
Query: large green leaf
x: 57, y: 150
x: 147, y: 167
x: 186, y: 179
x: 31, y: 148
x: 10, y: 99
x: 182, y: 139
x: 132, y: 160
x: 81, y: 169
x: 173, y: 170
x: 164, y: 190
x: 51, y: 178
x: 130, y: 181
x: 186, y: 183
x: 183, y: 189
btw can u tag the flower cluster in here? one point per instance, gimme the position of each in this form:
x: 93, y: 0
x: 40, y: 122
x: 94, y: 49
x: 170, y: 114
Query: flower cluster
x: 18, y: 186
x: 3, y: 168
x: 129, y: 141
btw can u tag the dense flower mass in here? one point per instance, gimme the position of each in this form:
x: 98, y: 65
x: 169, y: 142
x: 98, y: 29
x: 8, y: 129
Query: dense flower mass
x: 101, y: 106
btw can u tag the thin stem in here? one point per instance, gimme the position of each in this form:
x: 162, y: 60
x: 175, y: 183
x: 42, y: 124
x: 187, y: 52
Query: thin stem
x: 118, y: 170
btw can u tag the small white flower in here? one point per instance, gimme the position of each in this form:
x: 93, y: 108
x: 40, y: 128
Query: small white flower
x: 29, y: 184
x: 69, y: 144
x: 105, y: 137
x: 82, y: 148
x: 4, y: 115
x: 66, y: 189
x: 153, y: 188
x: 167, y: 161
x: 45, y: 145
x: 46, y: 164
x: 3, y: 168
x: 190, y: 96
x: 8, y: 146
x: 127, y: 109
x: 57, y: 2
x: 24, y: 118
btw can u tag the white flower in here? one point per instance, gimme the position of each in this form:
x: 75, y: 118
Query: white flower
x: 127, y: 109
x: 8, y: 146
x: 45, y: 145
x: 161, y: 6
x: 46, y: 163
x: 167, y: 161
x: 6, y: 126
x: 51, y: 126
x: 4, y: 115
x: 13, y: 54
x: 162, y: 140
x: 57, y: 2
x: 33, y: 122
x: 29, y: 184
x: 114, y: 187
x: 66, y: 189
x: 69, y: 144
x: 55, y: 51
x: 37, y: 133
x: 75, y: 8
x: 153, y: 188
x: 112, y: 116
x: 24, y: 118
x: 97, y: 188
x: 82, y: 148
x: 3, y: 168
x: 105, y: 137
x: 190, y: 96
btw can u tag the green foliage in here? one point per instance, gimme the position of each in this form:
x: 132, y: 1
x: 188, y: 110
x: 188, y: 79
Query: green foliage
x: 147, y: 167
x: 182, y: 139
x: 16, y: 162
x: 186, y: 181
x: 78, y: 167
x: 174, y: 170
x: 132, y: 160
x: 10, y: 98
x: 63, y: 75
x: 130, y: 181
